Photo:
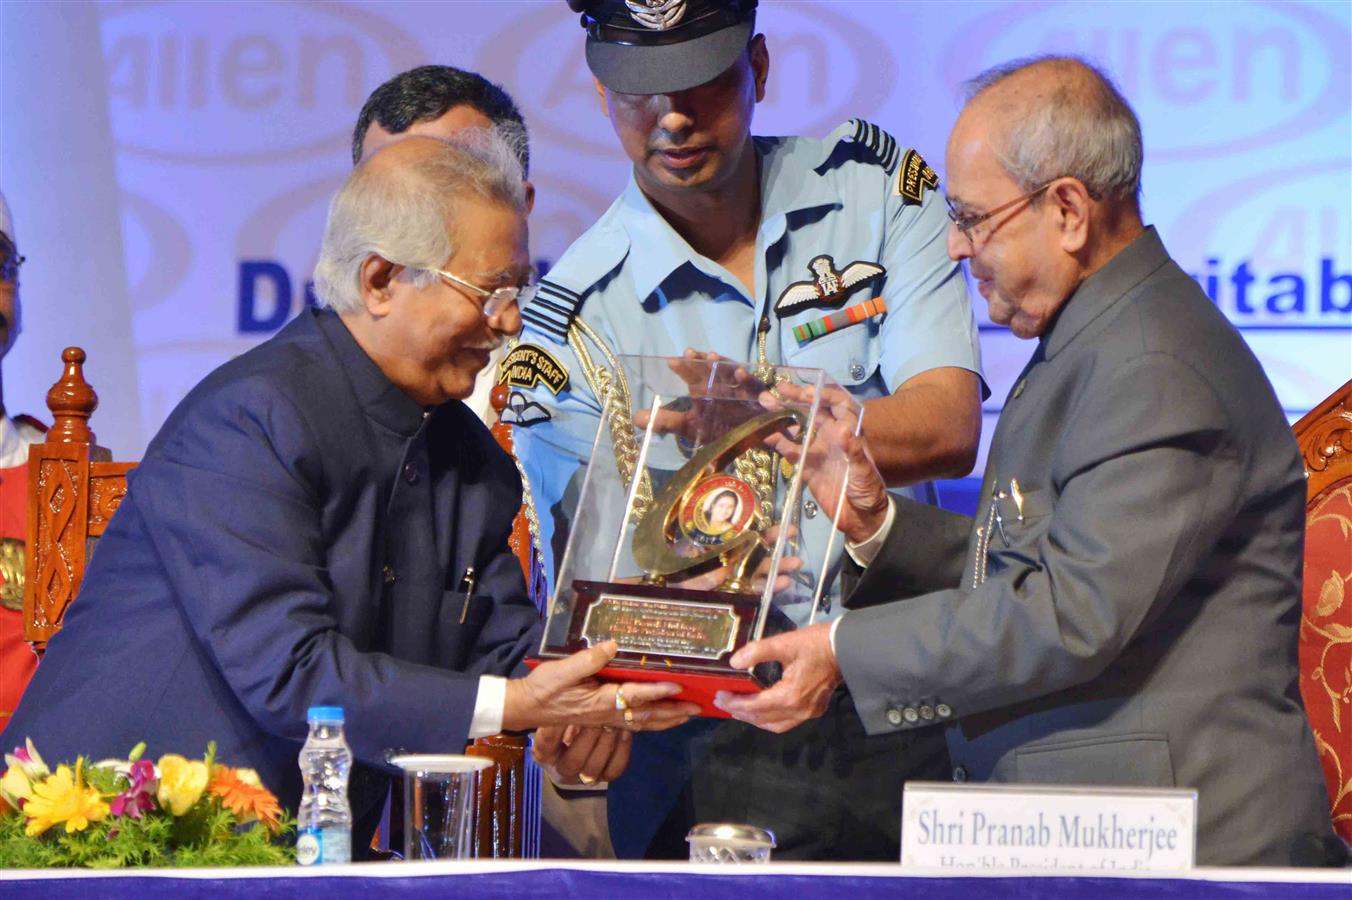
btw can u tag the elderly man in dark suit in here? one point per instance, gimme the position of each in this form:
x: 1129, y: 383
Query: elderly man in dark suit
x: 1123, y: 610
x: 323, y: 522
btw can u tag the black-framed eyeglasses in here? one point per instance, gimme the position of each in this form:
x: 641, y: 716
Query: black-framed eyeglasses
x: 965, y: 224
x: 10, y: 259
x: 498, y: 299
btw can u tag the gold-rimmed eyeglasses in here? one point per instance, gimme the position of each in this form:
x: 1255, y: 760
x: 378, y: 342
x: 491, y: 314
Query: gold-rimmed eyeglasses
x: 965, y: 224
x: 496, y: 300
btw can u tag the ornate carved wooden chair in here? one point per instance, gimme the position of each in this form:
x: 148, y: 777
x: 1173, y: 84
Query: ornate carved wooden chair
x: 74, y: 489
x: 1325, y: 437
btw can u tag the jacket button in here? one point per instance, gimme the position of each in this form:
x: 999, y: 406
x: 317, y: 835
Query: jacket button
x: 943, y: 710
x: 910, y: 715
x: 810, y: 509
x: 411, y: 473
x: 959, y: 774
x: 857, y: 372
x: 894, y: 716
x: 927, y: 713
x: 388, y: 574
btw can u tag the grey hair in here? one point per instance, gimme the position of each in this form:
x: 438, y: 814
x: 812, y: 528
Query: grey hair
x: 1084, y: 129
x: 407, y: 215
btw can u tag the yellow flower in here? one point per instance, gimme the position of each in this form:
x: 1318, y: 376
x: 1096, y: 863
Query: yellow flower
x: 15, y: 786
x: 63, y: 798
x: 181, y: 782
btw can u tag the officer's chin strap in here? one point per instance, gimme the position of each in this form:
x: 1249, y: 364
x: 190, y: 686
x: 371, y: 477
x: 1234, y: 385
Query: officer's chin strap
x: 611, y: 389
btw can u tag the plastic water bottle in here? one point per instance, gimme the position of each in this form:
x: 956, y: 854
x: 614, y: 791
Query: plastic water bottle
x: 324, y: 823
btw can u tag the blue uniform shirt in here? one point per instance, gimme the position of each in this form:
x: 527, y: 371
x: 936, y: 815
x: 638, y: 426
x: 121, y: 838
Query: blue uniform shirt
x: 853, y: 197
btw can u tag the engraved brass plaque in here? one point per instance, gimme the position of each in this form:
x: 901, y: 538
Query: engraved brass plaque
x: 645, y: 625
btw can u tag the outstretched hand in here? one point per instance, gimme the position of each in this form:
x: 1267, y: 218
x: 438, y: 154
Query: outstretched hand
x: 836, y: 441
x: 802, y: 692
x: 564, y: 691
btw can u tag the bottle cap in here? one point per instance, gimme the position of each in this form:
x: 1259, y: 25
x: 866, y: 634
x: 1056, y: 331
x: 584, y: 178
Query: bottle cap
x: 324, y: 714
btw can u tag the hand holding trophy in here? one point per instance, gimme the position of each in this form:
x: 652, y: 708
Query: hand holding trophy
x: 726, y: 543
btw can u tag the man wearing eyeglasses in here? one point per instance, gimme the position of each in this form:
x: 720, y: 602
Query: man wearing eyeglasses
x: 1124, y: 608
x: 16, y: 433
x: 745, y: 247
x: 321, y: 521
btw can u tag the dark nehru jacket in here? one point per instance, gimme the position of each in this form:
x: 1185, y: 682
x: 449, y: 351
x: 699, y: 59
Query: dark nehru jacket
x: 297, y: 534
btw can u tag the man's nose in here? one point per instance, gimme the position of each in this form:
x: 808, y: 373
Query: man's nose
x: 674, y: 112
x: 506, y: 320
x: 959, y: 246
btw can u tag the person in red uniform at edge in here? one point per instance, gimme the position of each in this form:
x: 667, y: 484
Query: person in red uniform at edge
x: 17, y: 661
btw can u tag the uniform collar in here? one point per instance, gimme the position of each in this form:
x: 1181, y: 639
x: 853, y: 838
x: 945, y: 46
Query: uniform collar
x: 1102, y: 290
x: 789, y: 183
x: 382, y: 400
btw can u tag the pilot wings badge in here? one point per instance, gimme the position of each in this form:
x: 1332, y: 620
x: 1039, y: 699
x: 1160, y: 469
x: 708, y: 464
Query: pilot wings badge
x: 828, y: 288
x: 658, y: 15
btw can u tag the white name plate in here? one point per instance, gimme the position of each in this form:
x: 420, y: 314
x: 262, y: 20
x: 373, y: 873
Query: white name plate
x: 1047, y: 827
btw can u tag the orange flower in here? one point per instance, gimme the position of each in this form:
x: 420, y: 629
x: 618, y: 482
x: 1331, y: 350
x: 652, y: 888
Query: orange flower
x: 244, y: 795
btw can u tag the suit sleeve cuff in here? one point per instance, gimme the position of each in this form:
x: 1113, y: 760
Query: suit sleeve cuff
x: 489, y: 703
x: 866, y: 550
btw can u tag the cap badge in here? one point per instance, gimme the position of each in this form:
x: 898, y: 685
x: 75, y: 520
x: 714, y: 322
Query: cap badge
x: 658, y: 15
x: 828, y: 288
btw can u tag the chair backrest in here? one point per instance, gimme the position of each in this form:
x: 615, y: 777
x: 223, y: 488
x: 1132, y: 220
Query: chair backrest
x: 1325, y: 438
x: 73, y: 491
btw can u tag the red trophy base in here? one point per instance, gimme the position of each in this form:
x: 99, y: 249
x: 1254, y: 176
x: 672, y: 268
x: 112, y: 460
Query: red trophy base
x: 665, y: 634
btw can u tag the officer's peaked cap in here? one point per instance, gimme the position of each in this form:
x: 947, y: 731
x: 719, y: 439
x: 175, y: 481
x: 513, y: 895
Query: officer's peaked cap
x: 663, y: 46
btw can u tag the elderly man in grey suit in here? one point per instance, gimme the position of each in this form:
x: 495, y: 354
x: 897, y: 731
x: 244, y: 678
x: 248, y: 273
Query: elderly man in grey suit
x: 1123, y: 610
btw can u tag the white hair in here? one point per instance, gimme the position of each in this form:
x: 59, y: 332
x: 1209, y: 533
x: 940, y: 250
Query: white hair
x: 1084, y: 129
x: 407, y: 215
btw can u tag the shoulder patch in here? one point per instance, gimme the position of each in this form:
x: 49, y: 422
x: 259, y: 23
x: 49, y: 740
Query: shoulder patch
x: 881, y: 144
x: 553, y: 309
x: 527, y: 365
x: 914, y: 177
x: 523, y: 412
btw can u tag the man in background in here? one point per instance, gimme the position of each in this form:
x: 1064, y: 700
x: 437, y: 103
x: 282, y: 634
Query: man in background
x: 438, y: 101
x: 17, y: 660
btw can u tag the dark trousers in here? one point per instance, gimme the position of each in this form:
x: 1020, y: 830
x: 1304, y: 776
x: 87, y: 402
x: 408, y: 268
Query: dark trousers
x: 826, y: 789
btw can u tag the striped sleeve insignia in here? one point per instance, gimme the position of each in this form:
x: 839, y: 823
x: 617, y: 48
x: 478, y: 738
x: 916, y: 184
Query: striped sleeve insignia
x: 914, y: 177
x: 553, y: 309
x: 881, y: 144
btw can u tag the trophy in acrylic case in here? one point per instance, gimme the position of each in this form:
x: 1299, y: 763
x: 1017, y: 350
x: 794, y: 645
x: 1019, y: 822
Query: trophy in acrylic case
x: 696, y: 531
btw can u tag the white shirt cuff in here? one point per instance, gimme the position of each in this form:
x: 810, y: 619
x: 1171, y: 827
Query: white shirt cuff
x: 866, y: 550
x: 489, y: 704
x: 832, y: 635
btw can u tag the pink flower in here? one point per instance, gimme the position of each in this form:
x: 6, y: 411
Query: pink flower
x: 139, y: 798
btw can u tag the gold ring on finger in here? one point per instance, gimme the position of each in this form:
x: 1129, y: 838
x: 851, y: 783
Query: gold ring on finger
x: 628, y: 716
x: 620, y: 701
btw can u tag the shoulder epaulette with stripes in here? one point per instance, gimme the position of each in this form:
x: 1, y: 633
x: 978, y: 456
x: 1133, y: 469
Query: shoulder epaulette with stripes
x: 881, y: 144
x: 553, y: 309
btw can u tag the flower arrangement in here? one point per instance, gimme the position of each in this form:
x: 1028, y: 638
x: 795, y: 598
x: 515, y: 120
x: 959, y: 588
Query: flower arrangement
x: 134, y: 812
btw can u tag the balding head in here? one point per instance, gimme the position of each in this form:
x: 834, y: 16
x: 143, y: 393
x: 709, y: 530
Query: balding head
x: 1057, y: 116
x: 402, y: 204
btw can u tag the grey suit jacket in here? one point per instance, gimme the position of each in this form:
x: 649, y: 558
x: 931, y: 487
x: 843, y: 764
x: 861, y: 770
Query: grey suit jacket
x: 1129, y: 614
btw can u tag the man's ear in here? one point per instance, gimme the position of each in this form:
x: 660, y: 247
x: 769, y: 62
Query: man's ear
x: 376, y: 277
x: 530, y: 197
x: 601, y: 96
x: 760, y: 64
x: 1072, y: 204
